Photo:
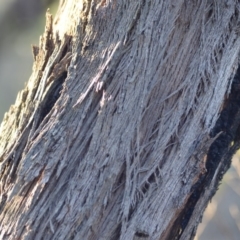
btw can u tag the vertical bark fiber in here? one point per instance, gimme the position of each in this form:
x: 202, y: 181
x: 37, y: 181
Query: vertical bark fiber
x: 116, y: 145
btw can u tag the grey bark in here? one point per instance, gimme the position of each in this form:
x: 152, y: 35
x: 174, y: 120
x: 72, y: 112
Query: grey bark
x: 116, y: 145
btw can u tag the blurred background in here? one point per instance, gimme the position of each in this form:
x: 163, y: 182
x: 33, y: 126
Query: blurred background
x: 21, y: 24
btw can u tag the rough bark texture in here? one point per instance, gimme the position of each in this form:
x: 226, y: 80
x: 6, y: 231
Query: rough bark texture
x: 110, y: 138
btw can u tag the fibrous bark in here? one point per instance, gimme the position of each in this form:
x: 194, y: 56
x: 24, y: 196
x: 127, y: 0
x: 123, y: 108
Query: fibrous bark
x: 116, y: 145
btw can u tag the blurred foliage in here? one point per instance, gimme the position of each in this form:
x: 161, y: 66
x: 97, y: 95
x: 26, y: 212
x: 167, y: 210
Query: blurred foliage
x: 17, y: 15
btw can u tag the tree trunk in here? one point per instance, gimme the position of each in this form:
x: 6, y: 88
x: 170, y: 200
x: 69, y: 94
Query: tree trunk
x: 110, y: 139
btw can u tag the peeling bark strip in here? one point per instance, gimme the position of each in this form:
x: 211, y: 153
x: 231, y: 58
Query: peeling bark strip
x: 110, y: 138
x: 50, y: 67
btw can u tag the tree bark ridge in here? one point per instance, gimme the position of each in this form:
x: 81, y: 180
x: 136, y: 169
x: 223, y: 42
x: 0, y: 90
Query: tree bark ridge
x: 113, y: 158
